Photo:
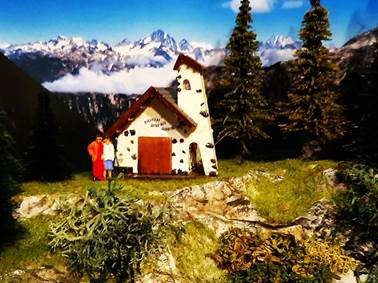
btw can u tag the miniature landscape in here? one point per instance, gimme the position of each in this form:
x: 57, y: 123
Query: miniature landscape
x: 244, y: 206
x: 259, y: 167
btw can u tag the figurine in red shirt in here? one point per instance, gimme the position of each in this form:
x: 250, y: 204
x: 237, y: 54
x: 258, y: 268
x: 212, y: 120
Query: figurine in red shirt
x: 96, y: 150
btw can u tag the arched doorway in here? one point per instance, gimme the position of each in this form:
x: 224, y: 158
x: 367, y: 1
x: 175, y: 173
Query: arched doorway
x: 195, y: 160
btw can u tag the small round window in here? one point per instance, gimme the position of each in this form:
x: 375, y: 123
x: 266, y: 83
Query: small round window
x: 186, y: 85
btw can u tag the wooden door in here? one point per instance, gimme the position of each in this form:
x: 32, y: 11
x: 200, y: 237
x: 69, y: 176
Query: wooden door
x: 154, y: 155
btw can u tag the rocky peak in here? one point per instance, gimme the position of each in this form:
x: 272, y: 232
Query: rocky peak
x: 184, y: 45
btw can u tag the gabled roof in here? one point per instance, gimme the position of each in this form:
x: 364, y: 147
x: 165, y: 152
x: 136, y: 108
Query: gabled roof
x: 169, y: 93
x: 190, y: 62
x: 140, y: 104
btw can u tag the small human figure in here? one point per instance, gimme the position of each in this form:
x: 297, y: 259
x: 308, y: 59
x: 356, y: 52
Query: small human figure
x: 96, y: 150
x: 108, y: 157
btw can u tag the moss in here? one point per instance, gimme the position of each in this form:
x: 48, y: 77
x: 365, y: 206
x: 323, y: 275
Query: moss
x: 192, y: 255
x: 289, y: 188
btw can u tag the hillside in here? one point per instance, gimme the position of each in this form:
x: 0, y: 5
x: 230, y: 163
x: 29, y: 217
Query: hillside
x: 18, y: 97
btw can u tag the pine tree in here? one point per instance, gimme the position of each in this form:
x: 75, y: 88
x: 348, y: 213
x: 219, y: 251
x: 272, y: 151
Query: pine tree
x: 313, y: 109
x: 10, y: 170
x: 45, y: 161
x: 243, y: 107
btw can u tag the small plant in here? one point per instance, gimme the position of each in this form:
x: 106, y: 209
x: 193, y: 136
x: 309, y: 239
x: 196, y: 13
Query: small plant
x: 250, y: 257
x: 325, y: 253
x: 102, y: 235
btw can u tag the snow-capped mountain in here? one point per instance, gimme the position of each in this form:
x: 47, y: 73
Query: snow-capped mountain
x: 75, y: 52
x: 53, y: 59
x: 277, y: 48
x: 280, y: 42
x: 161, y: 48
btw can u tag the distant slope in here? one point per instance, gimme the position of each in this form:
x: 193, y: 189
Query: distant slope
x: 18, y: 97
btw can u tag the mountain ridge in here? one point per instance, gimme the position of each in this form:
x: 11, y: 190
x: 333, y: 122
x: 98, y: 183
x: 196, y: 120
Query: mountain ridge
x: 50, y: 60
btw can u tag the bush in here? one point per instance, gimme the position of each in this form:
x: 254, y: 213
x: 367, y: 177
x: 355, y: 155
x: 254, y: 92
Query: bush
x: 279, y: 258
x: 102, y: 235
x: 358, y: 204
x: 357, y: 210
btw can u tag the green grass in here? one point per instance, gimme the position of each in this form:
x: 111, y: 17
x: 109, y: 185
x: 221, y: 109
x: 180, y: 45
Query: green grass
x: 192, y: 255
x: 282, y: 201
x: 32, y: 248
x: 136, y: 187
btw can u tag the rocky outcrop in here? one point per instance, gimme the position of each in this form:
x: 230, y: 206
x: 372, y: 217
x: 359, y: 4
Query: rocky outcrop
x: 34, y: 205
x: 46, y: 274
x: 222, y: 205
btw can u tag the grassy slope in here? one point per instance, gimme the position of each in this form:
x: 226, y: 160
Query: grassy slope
x: 302, y: 185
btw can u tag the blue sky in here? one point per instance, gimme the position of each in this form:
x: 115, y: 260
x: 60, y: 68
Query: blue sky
x: 197, y: 20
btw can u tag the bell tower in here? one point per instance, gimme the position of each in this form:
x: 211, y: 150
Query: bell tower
x: 191, y: 92
x: 192, y: 99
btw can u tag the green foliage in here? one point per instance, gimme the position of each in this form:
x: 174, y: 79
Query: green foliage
x: 313, y: 108
x: 10, y: 171
x: 358, y: 208
x: 102, y: 234
x: 251, y: 257
x: 373, y: 274
x: 44, y: 159
x: 244, y: 109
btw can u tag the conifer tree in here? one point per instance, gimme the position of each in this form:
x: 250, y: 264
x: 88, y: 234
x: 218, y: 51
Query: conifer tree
x: 45, y: 161
x: 243, y: 107
x: 313, y: 109
x: 10, y: 170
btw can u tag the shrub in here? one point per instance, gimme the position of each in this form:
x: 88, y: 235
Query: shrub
x: 358, y: 204
x: 250, y: 257
x: 357, y: 209
x: 102, y: 235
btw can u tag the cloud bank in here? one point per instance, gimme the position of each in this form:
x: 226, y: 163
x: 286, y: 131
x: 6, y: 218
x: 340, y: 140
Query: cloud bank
x: 258, y: 6
x: 134, y: 81
x: 4, y: 45
x: 292, y: 4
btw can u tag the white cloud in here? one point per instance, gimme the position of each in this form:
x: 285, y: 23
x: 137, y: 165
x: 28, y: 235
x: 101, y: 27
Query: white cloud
x: 272, y: 56
x: 258, y: 6
x: 203, y: 45
x: 4, y: 45
x: 134, y: 81
x: 292, y: 4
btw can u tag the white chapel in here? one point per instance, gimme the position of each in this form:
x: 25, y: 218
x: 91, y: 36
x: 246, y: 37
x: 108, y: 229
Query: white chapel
x: 168, y: 132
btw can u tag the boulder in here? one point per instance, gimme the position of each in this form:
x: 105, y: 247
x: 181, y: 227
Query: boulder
x: 39, y: 204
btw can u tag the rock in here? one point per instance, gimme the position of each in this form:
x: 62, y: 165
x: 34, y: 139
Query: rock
x: 219, y: 205
x: 330, y: 176
x: 35, y: 205
x: 315, y: 217
x: 40, y: 274
x: 349, y: 278
x: 165, y: 270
